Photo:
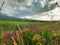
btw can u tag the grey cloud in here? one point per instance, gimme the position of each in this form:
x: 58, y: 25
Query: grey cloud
x: 33, y: 9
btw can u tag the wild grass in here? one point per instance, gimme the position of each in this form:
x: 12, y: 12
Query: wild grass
x: 30, y: 37
x: 29, y: 33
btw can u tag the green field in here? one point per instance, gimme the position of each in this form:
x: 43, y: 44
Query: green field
x: 33, y: 26
x: 12, y: 25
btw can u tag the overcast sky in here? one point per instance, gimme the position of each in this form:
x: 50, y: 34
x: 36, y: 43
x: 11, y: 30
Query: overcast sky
x: 30, y: 9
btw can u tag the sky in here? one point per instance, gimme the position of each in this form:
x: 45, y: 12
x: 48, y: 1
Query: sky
x: 31, y: 9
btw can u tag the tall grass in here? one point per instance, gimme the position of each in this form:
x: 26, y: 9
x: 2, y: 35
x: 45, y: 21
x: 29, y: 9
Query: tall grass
x: 29, y: 33
x: 30, y: 37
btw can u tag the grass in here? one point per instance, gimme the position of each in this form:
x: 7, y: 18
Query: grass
x: 12, y: 25
x: 49, y: 31
x: 30, y: 37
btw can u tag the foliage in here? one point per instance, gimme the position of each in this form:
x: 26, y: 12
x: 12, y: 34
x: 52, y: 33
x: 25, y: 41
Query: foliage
x: 29, y: 37
x: 29, y: 33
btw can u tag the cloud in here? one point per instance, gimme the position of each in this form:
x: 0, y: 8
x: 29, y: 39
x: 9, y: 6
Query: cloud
x: 29, y: 9
x: 35, y: 6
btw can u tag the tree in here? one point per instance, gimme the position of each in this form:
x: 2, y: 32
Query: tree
x: 2, y: 5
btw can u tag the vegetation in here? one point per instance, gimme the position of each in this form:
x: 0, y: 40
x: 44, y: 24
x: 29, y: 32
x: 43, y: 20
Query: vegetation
x: 2, y: 5
x: 29, y: 33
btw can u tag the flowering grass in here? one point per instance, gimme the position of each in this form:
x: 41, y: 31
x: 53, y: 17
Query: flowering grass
x: 30, y: 37
x: 33, y: 34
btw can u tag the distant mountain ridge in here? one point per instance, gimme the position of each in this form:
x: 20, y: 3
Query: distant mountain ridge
x: 5, y: 17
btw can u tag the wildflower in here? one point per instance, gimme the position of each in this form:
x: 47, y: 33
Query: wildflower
x: 36, y: 37
x: 54, y: 33
x: 33, y: 28
x: 39, y: 43
x: 25, y: 30
x: 8, y: 35
x: 14, y: 33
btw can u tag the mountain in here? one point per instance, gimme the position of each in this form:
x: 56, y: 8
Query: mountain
x: 5, y: 17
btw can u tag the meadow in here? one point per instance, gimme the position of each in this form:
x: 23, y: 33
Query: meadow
x: 29, y: 33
